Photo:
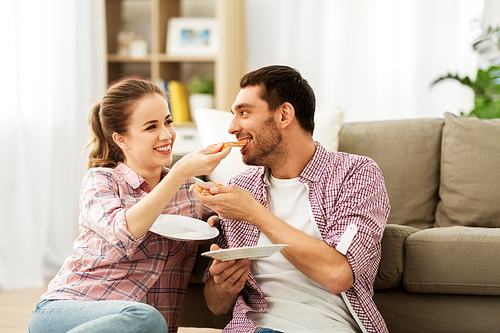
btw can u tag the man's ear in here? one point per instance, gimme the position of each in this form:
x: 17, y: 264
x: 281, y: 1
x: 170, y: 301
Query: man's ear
x: 287, y: 114
x: 119, y: 140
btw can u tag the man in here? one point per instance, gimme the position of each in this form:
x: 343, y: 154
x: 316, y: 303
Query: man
x: 330, y: 208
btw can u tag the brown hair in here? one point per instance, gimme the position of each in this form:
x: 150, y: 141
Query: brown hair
x: 112, y: 114
x: 282, y: 84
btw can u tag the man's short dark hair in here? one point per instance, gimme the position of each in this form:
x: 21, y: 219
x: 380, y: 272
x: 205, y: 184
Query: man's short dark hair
x: 282, y: 84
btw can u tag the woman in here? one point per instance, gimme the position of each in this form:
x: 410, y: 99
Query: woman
x: 118, y: 262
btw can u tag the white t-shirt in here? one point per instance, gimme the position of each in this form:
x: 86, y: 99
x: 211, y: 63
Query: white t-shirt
x: 295, y: 303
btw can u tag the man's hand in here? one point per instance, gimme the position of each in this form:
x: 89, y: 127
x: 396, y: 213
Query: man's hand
x: 229, y: 276
x: 214, y: 221
x: 228, y: 279
x: 231, y: 202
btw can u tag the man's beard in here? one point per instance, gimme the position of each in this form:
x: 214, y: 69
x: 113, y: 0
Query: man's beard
x: 266, y: 147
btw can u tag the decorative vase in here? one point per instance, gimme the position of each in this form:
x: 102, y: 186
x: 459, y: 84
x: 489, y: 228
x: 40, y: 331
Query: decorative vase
x: 200, y: 101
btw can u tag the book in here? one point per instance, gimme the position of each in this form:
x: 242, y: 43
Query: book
x: 164, y: 86
x: 179, y: 105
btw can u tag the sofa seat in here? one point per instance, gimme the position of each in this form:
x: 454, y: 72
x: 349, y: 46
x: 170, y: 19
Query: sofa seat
x: 471, y: 265
x: 429, y: 278
x: 406, y: 312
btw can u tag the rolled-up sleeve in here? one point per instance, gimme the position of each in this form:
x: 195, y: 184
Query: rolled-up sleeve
x: 363, y: 202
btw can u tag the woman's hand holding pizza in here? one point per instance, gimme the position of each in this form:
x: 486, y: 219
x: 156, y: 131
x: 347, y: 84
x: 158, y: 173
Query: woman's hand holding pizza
x: 201, y: 162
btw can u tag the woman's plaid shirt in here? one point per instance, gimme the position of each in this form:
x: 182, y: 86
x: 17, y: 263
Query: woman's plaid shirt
x: 109, y: 264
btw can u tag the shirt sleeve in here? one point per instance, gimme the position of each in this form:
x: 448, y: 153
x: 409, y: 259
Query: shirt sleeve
x: 206, y: 212
x: 103, y: 212
x: 361, y: 211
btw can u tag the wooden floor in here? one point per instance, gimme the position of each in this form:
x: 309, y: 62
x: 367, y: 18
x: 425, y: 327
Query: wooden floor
x: 16, y: 307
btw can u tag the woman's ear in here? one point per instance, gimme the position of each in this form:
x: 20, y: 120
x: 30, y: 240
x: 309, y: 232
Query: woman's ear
x: 119, y: 140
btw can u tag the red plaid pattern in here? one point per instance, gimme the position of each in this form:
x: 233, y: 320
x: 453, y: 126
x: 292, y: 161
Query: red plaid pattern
x: 109, y: 264
x: 344, y: 189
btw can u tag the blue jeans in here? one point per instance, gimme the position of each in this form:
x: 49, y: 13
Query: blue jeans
x: 95, y: 316
x: 266, y: 330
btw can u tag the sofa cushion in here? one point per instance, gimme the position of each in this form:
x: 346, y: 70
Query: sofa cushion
x: 390, y: 270
x: 408, y: 153
x: 213, y: 128
x: 406, y: 312
x: 454, y: 260
x: 470, y: 173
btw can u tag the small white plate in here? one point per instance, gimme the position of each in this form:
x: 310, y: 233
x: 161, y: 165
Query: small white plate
x: 183, y: 228
x: 250, y: 252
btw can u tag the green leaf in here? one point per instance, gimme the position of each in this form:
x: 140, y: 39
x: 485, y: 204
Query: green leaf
x: 486, y: 110
x: 465, y: 81
x: 201, y: 85
x: 486, y: 86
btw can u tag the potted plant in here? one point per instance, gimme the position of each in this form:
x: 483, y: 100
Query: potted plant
x: 486, y: 85
x: 201, y: 93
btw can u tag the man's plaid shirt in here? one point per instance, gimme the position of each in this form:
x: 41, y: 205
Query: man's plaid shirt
x: 344, y: 189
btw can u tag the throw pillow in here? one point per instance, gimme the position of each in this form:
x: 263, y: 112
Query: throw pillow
x: 408, y: 153
x: 327, y: 127
x: 470, y: 176
x: 213, y: 124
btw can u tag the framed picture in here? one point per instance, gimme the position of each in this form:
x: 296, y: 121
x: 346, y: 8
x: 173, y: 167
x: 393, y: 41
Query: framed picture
x: 190, y: 36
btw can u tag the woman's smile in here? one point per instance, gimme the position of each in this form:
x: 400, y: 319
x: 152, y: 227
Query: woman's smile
x: 164, y: 150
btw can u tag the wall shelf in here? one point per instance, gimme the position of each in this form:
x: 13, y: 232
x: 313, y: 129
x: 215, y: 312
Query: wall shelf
x: 226, y: 67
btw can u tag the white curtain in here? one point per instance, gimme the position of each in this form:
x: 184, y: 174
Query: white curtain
x: 375, y: 58
x: 53, y: 66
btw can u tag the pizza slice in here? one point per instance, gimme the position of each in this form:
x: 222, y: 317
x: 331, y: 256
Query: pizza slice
x: 204, y: 187
x: 225, y: 145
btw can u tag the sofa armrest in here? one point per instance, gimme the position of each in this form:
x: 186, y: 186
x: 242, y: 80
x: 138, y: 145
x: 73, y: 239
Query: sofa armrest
x: 390, y: 271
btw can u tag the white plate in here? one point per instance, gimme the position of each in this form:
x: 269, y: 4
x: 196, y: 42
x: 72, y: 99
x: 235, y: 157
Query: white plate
x: 183, y: 228
x: 250, y: 252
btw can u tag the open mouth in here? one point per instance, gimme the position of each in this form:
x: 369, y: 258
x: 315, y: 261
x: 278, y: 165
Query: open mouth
x: 244, y: 143
x: 163, y: 149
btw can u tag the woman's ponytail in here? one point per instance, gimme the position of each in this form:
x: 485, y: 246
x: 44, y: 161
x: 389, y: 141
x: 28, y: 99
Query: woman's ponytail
x: 100, y: 150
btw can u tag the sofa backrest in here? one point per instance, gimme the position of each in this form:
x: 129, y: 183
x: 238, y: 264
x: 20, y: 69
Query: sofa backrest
x: 408, y: 153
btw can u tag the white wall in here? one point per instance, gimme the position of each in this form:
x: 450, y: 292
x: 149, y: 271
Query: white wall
x: 375, y: 58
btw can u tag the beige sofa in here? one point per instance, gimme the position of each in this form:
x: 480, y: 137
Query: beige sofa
x: 440, y: 267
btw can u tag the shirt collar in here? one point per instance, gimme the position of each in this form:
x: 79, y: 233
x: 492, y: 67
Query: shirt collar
x: 313, y: 170
x: 133, y: 178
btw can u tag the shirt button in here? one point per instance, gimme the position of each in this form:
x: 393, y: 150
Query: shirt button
x: 153, y: 276
x: 152, y: 304
x: 256, y: 231
x: 162, y: 253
